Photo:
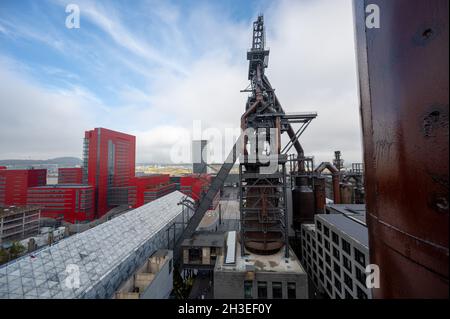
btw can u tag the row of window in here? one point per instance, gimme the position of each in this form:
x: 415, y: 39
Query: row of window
x: 358, y: 255
x: 277, y: 290
x: 334, y: 266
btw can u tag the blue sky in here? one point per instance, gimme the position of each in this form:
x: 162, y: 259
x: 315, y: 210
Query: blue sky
x: 151, y: 68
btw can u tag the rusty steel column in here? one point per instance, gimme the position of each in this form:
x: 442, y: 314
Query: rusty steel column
x: 403, y: 83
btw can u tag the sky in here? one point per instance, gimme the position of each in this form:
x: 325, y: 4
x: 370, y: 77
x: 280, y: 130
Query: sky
x: 160, y: 69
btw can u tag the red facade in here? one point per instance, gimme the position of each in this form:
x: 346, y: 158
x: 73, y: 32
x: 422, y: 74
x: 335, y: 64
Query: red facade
x: 14, y: 184
x: 145, y: 189
x: 69, y: 202
x: 109, y: 161
x: 71, y: 175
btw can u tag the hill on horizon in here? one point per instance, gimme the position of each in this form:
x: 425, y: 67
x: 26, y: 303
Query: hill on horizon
x: 60, y: 161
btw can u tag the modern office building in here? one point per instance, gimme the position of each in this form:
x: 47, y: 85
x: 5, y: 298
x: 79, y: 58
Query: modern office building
x: 144, y: 189
x: 108, y: 162
x: 72, y: 203
x: 199, y: 156
x: 70, y: 175
x: 14, y: 184
x: 335, y: 252
x: 17, y: 223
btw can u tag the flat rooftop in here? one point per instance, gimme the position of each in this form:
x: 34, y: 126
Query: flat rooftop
x: 262, y: 263
x: 205, y: 239
x: 54, y: 186
x: 348, y: 226
x: 11, y: 210
x: 357, y: 212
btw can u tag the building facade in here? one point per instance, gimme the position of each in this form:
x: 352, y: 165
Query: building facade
x: 335, y: 254
x: 73, y: 203
x: 17, y: 223
x: 70, y: 175
x: 14, y: 184
x: 108, y: 162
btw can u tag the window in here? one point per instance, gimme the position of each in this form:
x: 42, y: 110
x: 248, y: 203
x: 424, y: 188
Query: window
x: 319, y: 225
x: 346, y: 246
x: 328, y: 272
x: 314, y: 256
x: 319, y: 238
x: 348, y: 281
x: 248, y: 289
x: 320, y: 263
x: 321, y: 276
x: 328, y: 259
x: 360, y: 275
x: 195, y: 255
x: 335, y: 238
x: 347, y: 263
x: 277, y: 292
x: 329, y: 287
x: 262, y: 289
x: 360, y: 258
x: 348, y: 295
x: 336, y: 253
x: 337, y: 269
x: 320, y: 250
x: 326, y: 231
x: 337, y: 284
x: 360, y: 294
x: 291, y: 290
x: 327, y: 245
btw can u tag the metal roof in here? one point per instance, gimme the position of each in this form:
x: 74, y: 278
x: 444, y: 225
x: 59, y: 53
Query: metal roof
x: 348, y: 226
x: 105, y: 255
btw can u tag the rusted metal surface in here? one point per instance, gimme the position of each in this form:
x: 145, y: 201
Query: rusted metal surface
x: 303, y: 205
x: 335, y: 179
x: 319, y: 194
x: 403, y: 81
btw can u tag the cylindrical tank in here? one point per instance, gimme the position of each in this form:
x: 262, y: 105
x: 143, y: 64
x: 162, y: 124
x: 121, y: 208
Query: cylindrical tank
x: 403, y: 82
x: 302, y: 205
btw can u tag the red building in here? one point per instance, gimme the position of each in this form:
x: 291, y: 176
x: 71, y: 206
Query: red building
x: 70, y: 175
x: 144, y: 189
x: 69, y: 202
x: 14, y: 184
x: 109, y: 163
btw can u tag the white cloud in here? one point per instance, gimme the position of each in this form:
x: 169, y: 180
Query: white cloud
x: 311, y: 67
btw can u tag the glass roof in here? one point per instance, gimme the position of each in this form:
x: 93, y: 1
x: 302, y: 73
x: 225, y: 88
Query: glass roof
x: 99, y: 254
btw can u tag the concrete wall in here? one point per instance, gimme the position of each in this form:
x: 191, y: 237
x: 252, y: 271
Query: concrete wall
x: 230, y: 284
x: 162, y: 284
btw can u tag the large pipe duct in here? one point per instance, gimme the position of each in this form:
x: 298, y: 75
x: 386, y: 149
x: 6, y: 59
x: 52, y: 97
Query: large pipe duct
x: 403, y: 83
x: 335, y: 178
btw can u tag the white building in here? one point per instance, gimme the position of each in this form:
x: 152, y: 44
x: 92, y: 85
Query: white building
x: 335, y: 253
